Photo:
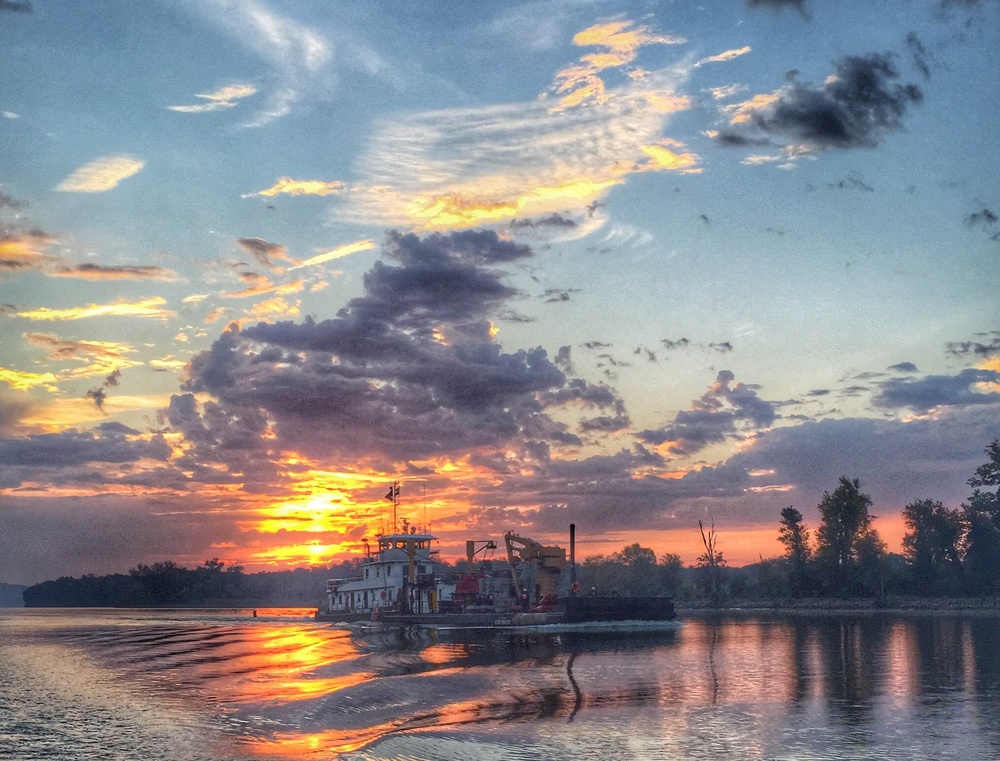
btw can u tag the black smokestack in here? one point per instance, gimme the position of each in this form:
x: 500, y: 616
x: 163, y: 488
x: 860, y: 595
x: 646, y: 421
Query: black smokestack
x: 572, y: 553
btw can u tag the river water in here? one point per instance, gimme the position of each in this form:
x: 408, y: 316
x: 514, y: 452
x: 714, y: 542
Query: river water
x: 217, y: 685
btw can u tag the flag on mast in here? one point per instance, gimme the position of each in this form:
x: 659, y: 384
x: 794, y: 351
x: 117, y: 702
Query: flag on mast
x: 393, y: 491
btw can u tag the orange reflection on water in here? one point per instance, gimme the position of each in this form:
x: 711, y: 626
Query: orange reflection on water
x: 284, y: 661
x: 328, y: 742
x: 334, y: 741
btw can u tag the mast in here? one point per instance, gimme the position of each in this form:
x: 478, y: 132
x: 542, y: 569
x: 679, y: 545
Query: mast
x: 393, y: 495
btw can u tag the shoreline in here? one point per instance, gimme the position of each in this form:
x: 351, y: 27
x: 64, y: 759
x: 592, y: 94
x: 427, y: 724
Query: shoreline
x: 989, y: 606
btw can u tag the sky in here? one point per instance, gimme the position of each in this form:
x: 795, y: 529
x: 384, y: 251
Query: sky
x: 628, y: 265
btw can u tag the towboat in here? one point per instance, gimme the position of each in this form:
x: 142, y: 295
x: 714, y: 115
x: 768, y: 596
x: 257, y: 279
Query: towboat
x: 400, y: 584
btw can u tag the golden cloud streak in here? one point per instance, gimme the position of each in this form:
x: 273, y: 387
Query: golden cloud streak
x: 728, y: 55
x: 741, y: 113
x: 23, y: 381
x: 68, y: 412
x: 224, y: 97
x: 101, y: 174
x: 337, y: 253
x: 292, y: 187
x: 466, y: 210
x: 98, y: 272
x: 295, y: 286
x: 146, y: 308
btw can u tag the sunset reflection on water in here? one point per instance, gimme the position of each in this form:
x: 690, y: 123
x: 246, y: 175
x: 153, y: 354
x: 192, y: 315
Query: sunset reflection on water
x: 755, y: 686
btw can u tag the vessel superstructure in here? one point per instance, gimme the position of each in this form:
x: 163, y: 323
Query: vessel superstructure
x: 400, y: 574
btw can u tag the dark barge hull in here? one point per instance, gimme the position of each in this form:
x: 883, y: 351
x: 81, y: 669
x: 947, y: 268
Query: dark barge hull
x: 569, y: 610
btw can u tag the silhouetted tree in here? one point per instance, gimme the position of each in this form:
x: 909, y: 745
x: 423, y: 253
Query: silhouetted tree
x: 982, y: 518
x: 871, y: 565
x: 931, y: 546
x: 844, y: 521
x: 711, y: 560
x: 671, y: 573
x: 794, y: 535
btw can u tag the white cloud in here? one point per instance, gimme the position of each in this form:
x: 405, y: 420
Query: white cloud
x: 101, y: 174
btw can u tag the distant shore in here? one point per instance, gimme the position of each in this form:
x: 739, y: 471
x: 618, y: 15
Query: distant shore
x: 809, y: 605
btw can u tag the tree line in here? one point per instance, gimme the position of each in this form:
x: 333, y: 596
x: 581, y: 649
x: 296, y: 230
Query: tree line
x: 167, y: 584
x: 947, y: 552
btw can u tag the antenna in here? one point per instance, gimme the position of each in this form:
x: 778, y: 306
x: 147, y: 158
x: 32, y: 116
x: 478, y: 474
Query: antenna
x: 394, y: 496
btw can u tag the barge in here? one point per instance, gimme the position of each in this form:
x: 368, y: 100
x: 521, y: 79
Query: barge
x: 400, y: 586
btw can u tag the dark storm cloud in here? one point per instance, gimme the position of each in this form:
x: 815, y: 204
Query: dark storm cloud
x: 564, y: 359
x: 406, y: 370
x: 717, y: 415
x: 605, y: 424
x: 16, y: 6
x: 681, y: 343
x: 553, y: 220
x: 737, y: 140
x: 904, y: 367
x: 896, y: 461
x: 964, y: 348
x: 98, y: 395
x: 71, y: 449
x: 722, y: 347
x: 853, y: 109
x: 933, y: 391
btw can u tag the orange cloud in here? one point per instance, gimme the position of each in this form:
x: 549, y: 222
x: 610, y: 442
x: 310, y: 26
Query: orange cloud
x: 581, y: 82
x: 24, y: 251
x: 466, y: 210
x: 125, y: 272
x: 337, y: 253
x: 262, y: 286
x: 151, y: 307
x: 292, y: 187
x: 276, y: 307
x: 101, y: 174
x: 741, y: 113
x: 107, y: 356
x: 23, y: 381
x: 661, y: 157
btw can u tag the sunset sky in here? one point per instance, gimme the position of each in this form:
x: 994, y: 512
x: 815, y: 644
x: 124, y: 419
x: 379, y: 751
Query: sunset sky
x: 625, y: 264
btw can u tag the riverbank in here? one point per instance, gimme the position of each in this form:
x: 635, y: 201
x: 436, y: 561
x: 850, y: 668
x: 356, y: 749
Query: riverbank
x: 900, y: 604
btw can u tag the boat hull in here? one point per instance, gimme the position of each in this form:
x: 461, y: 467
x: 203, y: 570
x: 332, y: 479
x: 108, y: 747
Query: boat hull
x: 569, y: 610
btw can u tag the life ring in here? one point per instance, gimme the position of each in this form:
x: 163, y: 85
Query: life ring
x: 383, y: 594
x: 575, y: 587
